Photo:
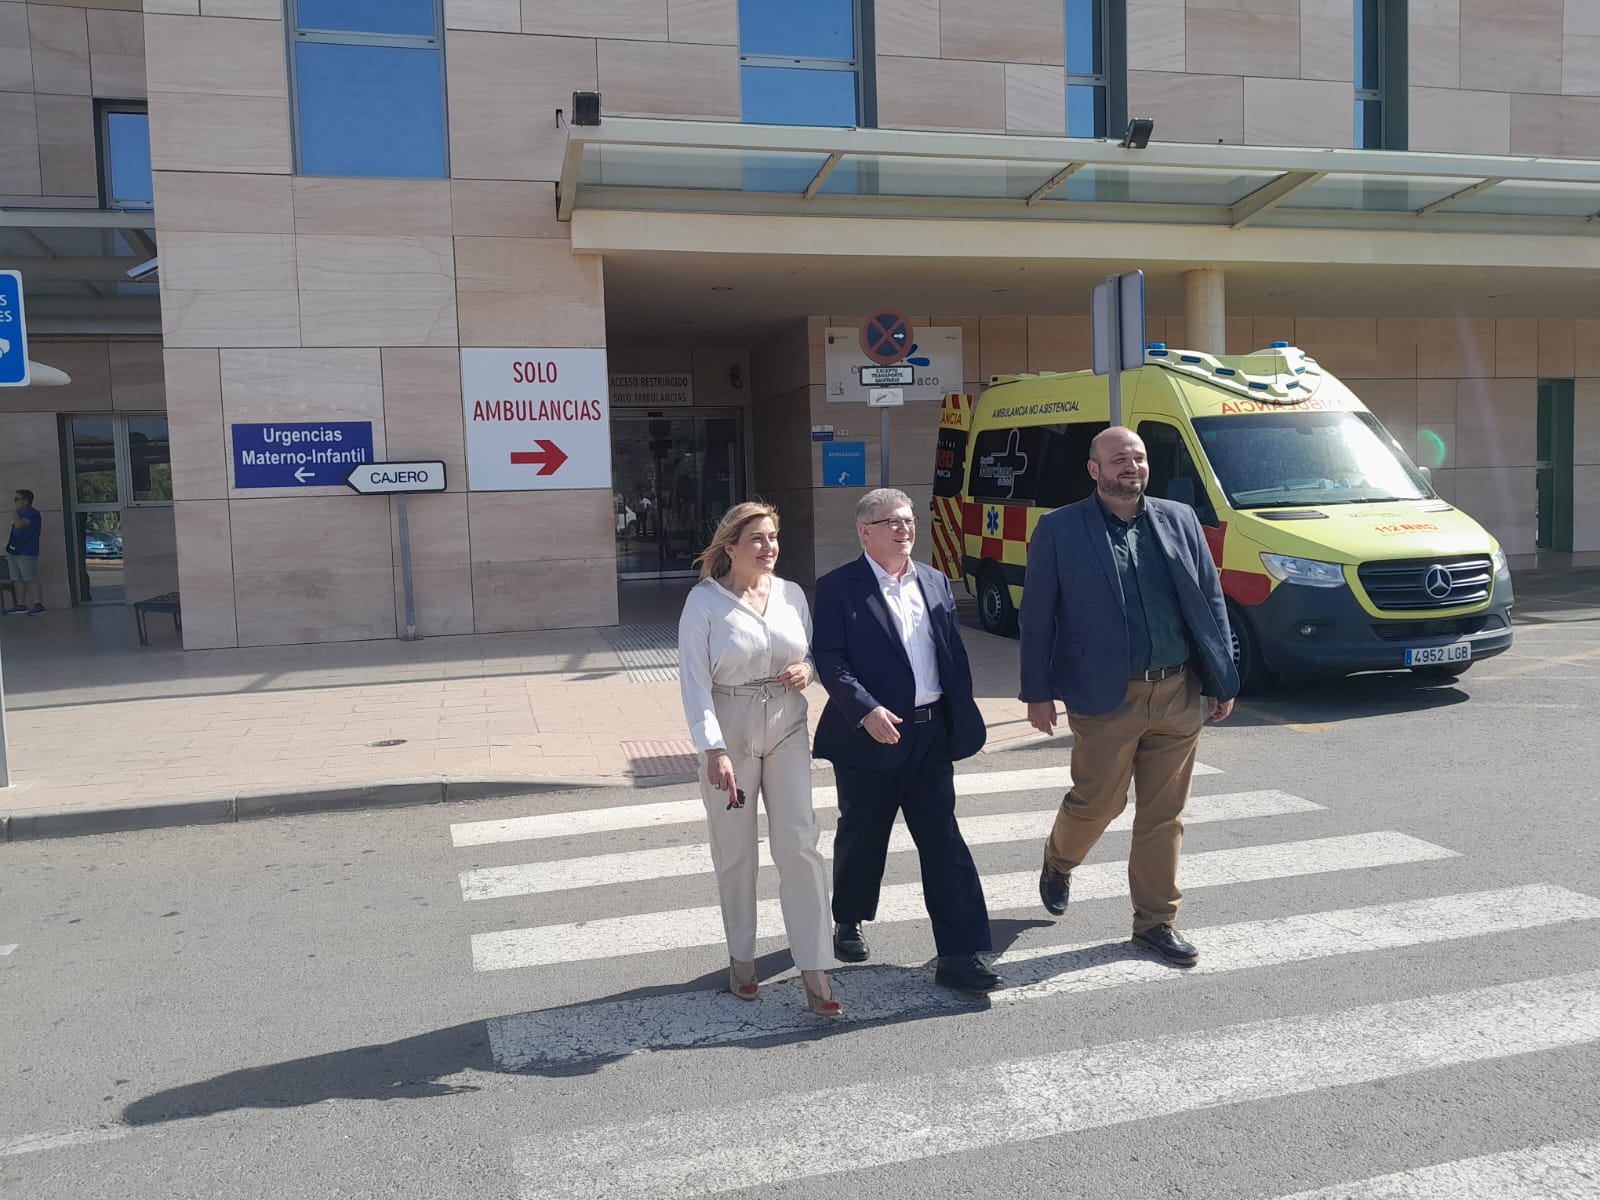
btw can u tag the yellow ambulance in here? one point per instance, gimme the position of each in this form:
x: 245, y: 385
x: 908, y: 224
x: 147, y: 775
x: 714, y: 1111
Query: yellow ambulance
x: 1336, y: 554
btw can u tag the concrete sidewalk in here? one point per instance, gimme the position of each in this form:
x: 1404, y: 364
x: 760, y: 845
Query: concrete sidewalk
x: 106, y: 735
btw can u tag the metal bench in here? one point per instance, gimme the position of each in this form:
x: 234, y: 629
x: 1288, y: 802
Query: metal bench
x: 167, y: 602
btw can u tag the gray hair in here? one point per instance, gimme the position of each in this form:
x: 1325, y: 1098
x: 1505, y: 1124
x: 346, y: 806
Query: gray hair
x: 878, y: 499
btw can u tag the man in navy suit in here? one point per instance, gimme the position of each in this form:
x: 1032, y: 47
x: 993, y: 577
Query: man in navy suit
x: 900, y: 712
x: 1123, y: 620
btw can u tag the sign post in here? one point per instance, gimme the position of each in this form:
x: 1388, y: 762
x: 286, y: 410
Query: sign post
x: 5, y: 768
x: 1117, y: 306
x: 886, y: 338
x: 13, y: 332
x: 13, y: 373
x: 398, y: 479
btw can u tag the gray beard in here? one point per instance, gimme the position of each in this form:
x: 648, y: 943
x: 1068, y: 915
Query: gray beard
x: 1120, y: 491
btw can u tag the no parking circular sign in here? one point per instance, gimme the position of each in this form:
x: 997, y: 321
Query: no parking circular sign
x: 886, y: 336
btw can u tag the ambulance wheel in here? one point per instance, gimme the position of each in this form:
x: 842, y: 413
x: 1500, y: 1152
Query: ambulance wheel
x: 996, y: 613
x: 1247, y: 660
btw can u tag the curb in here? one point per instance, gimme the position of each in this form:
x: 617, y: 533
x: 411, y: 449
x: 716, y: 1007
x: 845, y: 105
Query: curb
x: 255, y: 805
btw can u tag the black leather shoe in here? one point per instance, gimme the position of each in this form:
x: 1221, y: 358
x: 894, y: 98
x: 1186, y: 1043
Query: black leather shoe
x: 1053, y: 890
x: 966, y: 973
x: 1170, y: 944
x: 848, y: 943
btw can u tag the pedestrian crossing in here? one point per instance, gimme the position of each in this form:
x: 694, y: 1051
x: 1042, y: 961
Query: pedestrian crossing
x: 881, y: 1122
x: 528, y: 879
x: 950, y: 1112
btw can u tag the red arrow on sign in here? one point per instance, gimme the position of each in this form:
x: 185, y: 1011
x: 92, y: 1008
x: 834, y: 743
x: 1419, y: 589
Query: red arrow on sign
x: 548, y: 458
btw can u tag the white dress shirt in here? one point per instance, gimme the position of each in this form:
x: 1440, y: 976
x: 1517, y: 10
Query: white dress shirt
x: 722, y: 640
x: 909, y: 608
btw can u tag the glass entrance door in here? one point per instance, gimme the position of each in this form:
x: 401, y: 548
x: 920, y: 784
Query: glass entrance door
x: 673, y: 476
x: 113, y: 463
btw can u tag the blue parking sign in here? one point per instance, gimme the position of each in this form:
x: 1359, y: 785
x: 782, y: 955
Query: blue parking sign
x: 13, y: 332
x: 844, y: 464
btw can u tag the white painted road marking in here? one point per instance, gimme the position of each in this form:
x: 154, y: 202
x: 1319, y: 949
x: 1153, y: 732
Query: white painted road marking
x: 905, y: 1120
x: 680, y: 812
x: 615, y: 1028
x: 1562, y: 1171
x: 33, y: 1143
x: 613, y: 937
x: 5, y: 950
x: 633, y: 866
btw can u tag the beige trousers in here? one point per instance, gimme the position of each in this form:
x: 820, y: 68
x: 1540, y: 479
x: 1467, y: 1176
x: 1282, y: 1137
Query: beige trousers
x: 768, y: 747
x: 1148, y: 740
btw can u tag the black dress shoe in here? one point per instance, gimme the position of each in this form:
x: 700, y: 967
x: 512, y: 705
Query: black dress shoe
x: 848, y: 943
x: 966, y: 973
x: 1054, y: 887
x: 1170, y: 944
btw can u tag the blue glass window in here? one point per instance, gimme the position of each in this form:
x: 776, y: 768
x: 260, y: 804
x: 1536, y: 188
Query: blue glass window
x: 786, y: 29
x: 792, y: 96
x: 1086, y: 110
x: 1088, y: 72
x: 125, y: 170
x: 410, y: 18
x: 798, y: 63
x: 375, y: 111
x: 1369, y: 43
x: 1086, y: 37
x: 369, y: 88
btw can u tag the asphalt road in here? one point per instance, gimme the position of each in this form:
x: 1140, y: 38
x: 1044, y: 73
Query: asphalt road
x: 313, y: 1007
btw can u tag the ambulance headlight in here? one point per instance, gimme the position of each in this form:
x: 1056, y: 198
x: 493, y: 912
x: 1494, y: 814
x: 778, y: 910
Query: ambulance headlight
x: 1306, y: 571
x: 1500, y: 565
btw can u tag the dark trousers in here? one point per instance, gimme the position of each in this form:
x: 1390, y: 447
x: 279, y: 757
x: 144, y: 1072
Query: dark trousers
x: 924, y: 789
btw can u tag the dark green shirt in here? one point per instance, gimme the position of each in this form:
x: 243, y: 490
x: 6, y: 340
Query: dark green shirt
x: 1157, y: 634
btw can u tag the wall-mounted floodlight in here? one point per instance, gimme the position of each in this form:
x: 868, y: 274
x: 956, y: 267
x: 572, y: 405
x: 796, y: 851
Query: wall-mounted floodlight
x: 1138, y: 135
x: 586, y: 108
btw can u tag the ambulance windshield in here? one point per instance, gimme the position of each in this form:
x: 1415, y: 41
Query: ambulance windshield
x: 1283, y: 459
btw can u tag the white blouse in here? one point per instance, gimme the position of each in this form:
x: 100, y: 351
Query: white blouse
x: 722, y: 640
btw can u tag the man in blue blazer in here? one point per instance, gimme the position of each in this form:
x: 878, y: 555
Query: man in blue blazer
x: 900, y: 712
x: 1123, y: 620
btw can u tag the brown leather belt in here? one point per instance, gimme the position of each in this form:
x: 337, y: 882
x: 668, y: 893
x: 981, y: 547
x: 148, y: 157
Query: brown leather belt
x: 1157, y: 675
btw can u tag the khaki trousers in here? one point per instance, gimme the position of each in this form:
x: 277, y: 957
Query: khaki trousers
x: 1148, y: 740
x: 771, y: 757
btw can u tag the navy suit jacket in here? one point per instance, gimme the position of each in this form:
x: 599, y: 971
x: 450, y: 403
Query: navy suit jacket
x: 1074, y: 616
x: 863, y: 664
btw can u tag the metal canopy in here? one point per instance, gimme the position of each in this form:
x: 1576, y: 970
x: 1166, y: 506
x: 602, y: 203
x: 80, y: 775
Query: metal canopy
x: 75, y: 265
x: 638, y: 164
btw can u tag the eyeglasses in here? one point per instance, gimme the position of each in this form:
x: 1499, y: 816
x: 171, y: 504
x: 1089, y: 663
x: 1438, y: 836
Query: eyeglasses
x: 898, y: 524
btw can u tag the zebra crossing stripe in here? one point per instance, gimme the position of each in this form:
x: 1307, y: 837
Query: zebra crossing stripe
x: 613, y: 1029
x: 1560, y: 1171
x: 615, y: 937
x: 34, y: 1143
x: 679, y: 812
x: 902, y: 1119
x: 634, y: 866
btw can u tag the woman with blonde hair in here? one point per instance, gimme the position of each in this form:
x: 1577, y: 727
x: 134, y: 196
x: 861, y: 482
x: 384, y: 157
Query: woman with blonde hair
x: 744, y: 659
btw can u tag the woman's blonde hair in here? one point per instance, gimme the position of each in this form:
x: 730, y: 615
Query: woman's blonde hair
x: 714, y: 561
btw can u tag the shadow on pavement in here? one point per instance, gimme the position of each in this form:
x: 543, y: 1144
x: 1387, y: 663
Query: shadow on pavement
x: 1353, y: 697
x: 417, y: 1068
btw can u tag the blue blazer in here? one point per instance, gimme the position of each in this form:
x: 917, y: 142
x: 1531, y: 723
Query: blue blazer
x: 862, y: 664
x: 1074, y: 616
